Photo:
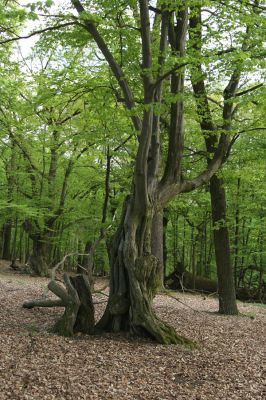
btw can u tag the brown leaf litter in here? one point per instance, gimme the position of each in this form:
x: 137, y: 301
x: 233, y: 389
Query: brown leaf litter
x: 230, y: 362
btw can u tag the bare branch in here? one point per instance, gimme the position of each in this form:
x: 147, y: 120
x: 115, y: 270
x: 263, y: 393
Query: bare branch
x: 215, y: 101
x: 169, y: 73
x: 258, y: 128
x: 249, y: 90
x: 123, y: 143
x: 38, y: 32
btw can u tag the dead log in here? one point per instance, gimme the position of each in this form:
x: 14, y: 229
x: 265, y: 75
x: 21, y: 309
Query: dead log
x: 180, y: 279
x: 256, y: 295
x: 44, y: 302
x: 184, y: 280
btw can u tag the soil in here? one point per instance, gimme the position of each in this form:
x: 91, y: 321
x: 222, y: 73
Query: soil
x: 229, y: 363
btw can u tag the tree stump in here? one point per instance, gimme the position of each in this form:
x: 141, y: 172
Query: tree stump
x: 85, y: 317
x: 77, y: 299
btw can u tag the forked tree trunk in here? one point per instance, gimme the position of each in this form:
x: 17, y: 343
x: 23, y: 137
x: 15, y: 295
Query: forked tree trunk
x: 134, y: 279
x: 134, y: 270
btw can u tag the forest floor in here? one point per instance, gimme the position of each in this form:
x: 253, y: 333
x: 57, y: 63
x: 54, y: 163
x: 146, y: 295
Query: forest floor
x: 229, y: 363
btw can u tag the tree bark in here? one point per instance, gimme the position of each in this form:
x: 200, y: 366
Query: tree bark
x: 157, y: 244
x: 85, y: 316
x: 165, y: 223
x: 226, y: 286
x: 236, y: 238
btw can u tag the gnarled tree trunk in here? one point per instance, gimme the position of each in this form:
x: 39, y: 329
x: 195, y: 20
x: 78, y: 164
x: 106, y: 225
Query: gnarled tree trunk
x: 134, y: 279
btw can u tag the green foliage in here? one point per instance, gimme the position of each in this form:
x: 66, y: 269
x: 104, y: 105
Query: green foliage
x: 62, y: 101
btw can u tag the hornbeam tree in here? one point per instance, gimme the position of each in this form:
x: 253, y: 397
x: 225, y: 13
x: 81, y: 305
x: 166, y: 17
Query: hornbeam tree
x: 155, y: 182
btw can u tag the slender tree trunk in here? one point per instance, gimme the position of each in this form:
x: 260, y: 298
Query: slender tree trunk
x: 184, y: 241
x: 205, y: 260
x: 11, y: 166
x: 175, y: 239
x: 236, y: 238
x: 165, y: 223
x: 193, y: 256
x: 261, y: 265
x: 157, y: 244
x: 14, y: 242
x: 1, y: 241
x: 226, y: 286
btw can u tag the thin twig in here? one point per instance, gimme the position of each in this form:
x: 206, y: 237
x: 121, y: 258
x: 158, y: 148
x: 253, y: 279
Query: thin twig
x: 50, y: 28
